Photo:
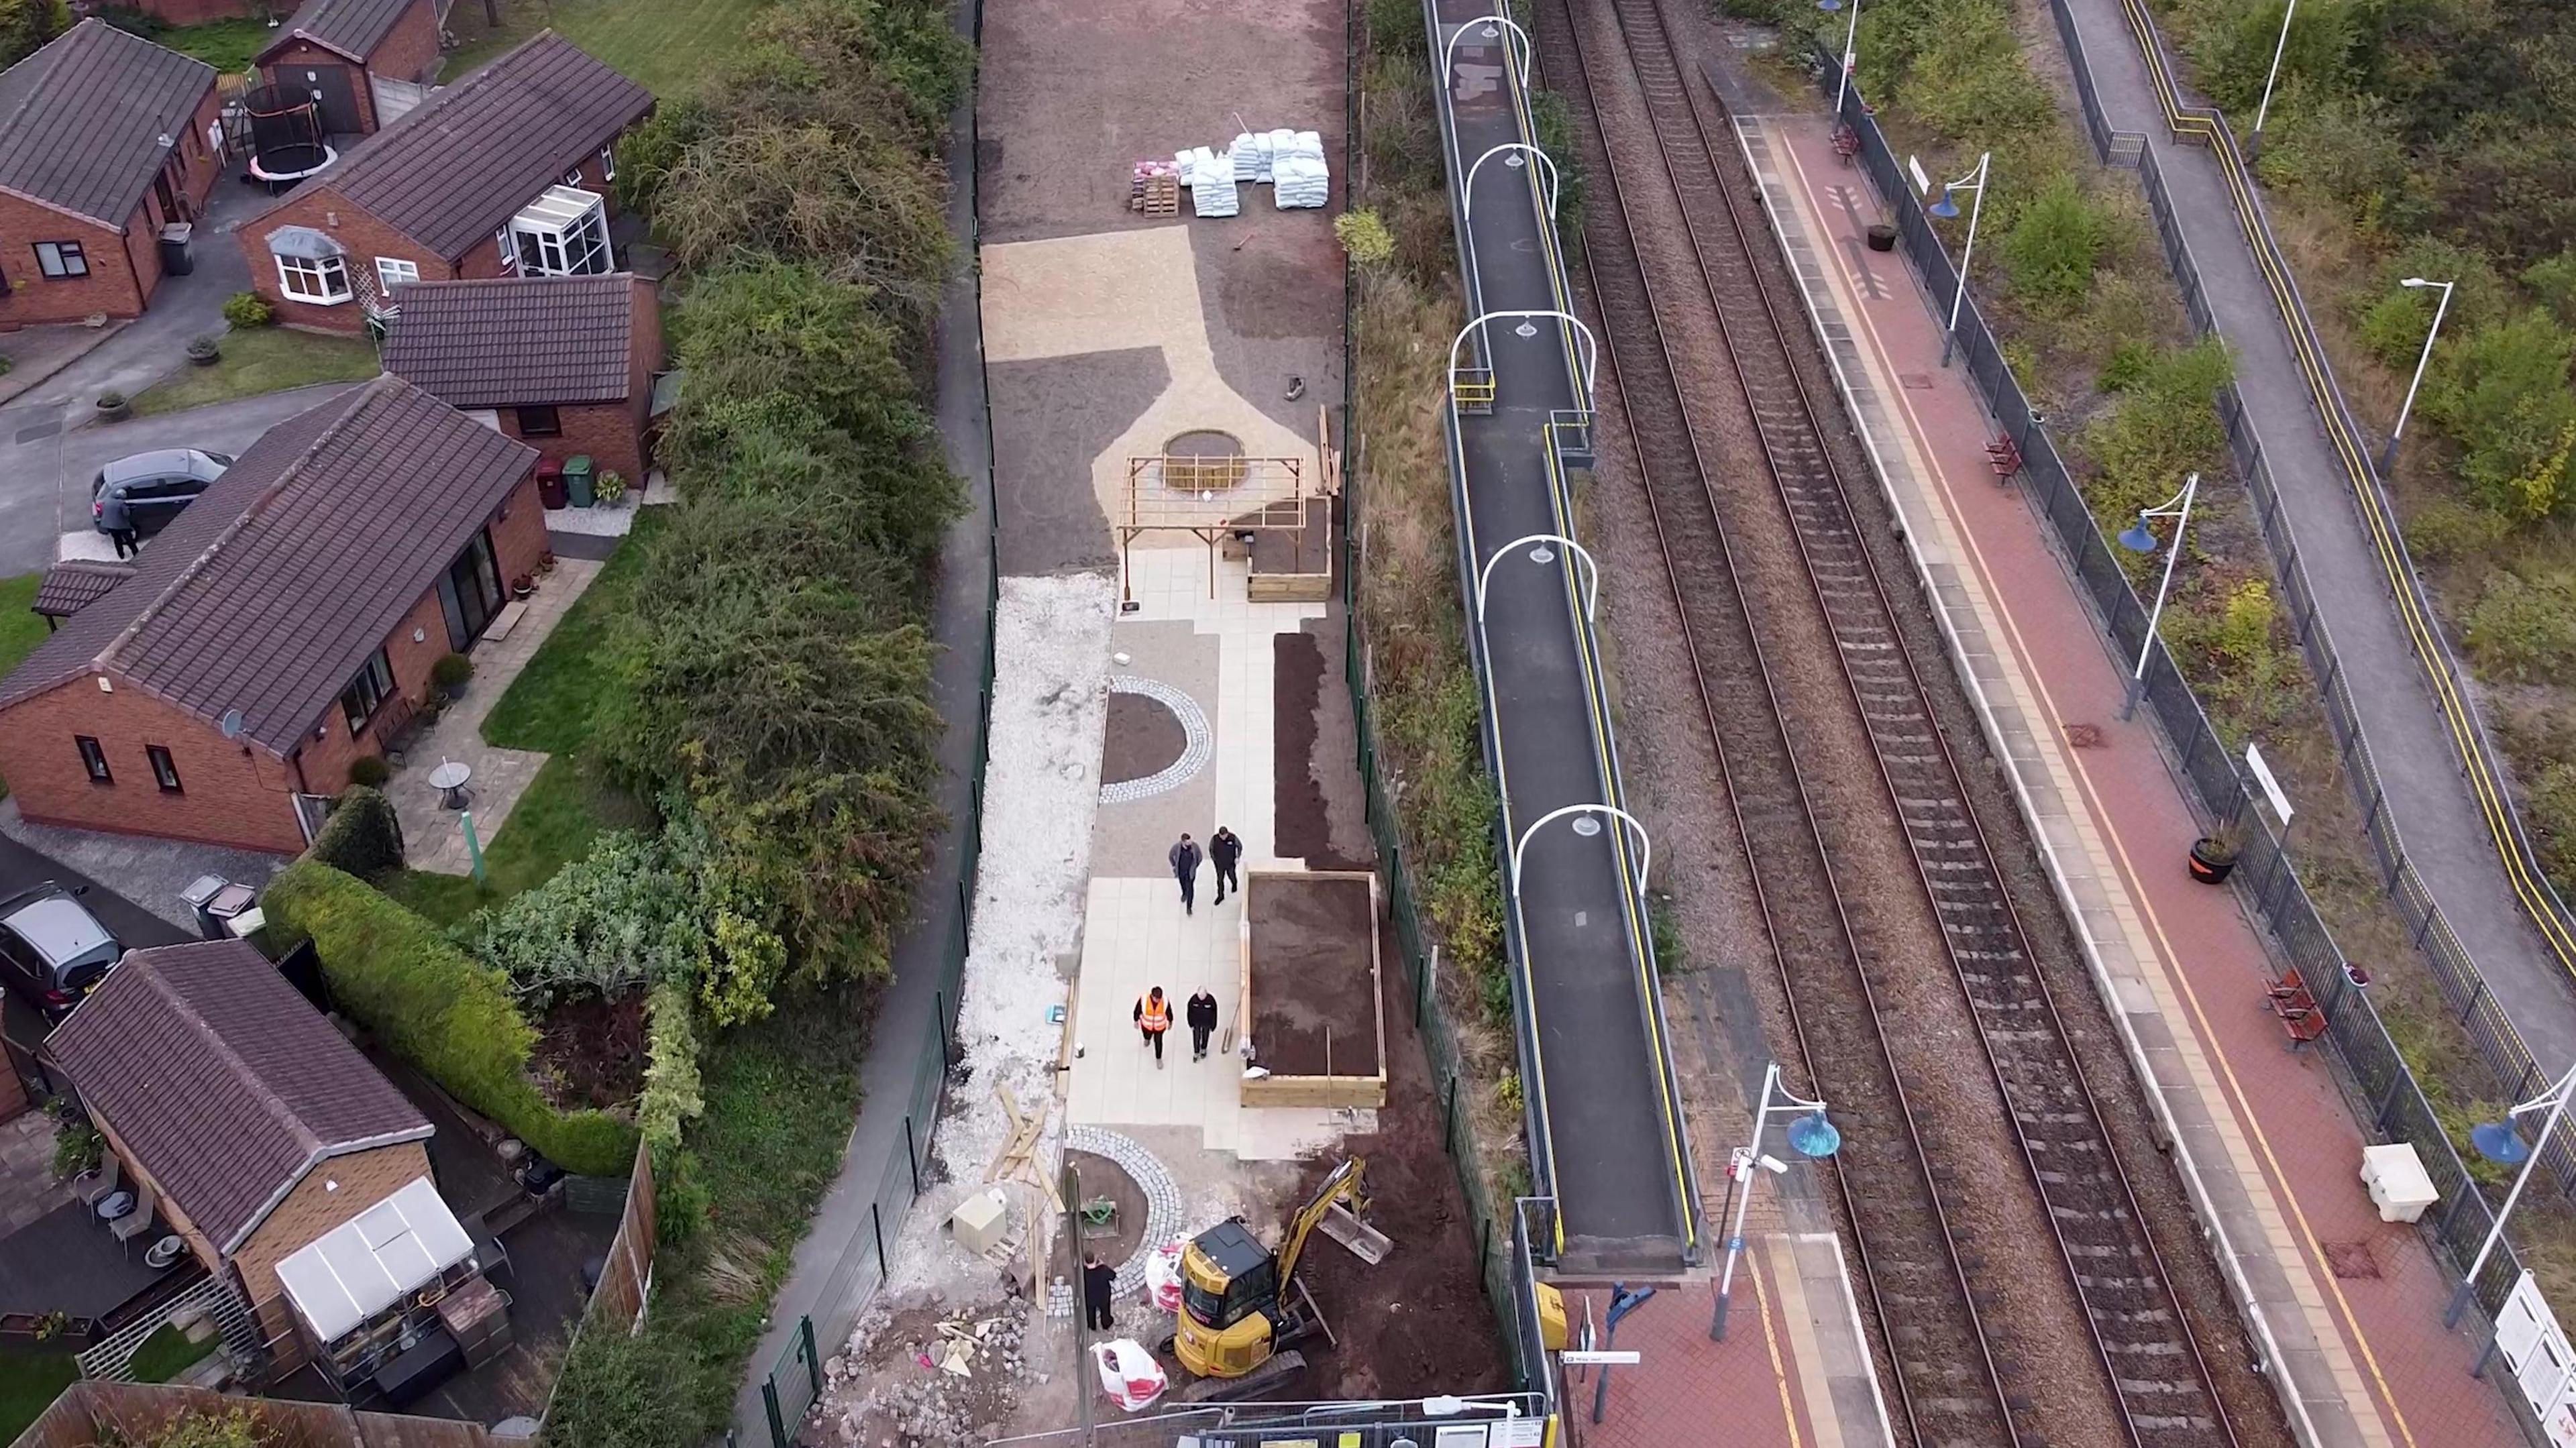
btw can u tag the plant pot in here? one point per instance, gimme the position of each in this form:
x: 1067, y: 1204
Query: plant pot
x: 116, y: 413
x: 1882, y: 237
x: 205, y: 359
x: 2211, y: 862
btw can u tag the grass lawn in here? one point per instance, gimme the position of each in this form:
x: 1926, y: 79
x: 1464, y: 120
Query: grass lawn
x: 551, y: 707
x: 264, y: 359
x: 28, y: 1382
x: 227, y: 45
x: 167, y: 1353
x: 667, y: 46
x: 20, y: 631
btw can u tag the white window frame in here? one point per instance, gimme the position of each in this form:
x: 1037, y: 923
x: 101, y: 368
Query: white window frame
x: 509, y: 249
x: 395, y: 271
x: 608, y: 163
x: 573, y: 177
x: 289, y: 285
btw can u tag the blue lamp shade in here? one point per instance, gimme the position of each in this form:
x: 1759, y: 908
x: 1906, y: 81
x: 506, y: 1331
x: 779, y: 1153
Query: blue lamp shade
x: 2498, y: 1142
x: 1945, y: 208
x: 1829, y: 6
x: 1813, y: 1135
x: 2137, y: 539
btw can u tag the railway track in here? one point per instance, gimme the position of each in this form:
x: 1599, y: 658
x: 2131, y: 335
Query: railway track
x: 1924, y: 1289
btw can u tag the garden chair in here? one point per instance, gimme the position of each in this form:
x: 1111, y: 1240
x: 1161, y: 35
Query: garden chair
x: 98, y: 1181
x: 134, y: 1223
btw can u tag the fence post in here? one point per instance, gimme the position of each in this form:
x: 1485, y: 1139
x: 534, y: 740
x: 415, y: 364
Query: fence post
x: 1449, y: 1131
x: 911, y: 1157
x: 813, y: 1364
x: 777, y: 1425
x: 876, y: 1222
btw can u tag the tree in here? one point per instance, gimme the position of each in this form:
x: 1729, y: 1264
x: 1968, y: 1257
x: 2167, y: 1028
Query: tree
x: 25, y: 25
x: 2054, y: 245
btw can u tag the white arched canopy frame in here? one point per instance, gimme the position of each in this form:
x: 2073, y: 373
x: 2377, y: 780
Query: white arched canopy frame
x: 1591, y: 571
x: 1546, y: 167
x: 1488, y: 24
x: 1591, y: 347
x: 1645, y: 842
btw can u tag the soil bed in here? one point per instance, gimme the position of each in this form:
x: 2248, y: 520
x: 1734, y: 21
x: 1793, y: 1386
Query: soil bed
x: 1314, y: 979
x: 590, y: 1052
x: 1143, y: 739
x: 1102, y: 1177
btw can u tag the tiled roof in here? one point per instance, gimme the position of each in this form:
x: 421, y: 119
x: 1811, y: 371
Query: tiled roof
x: 450, y: 172
x: 351, y: 27
x: 76, y: 583
x: 270, y: 591
x: 86, y: 121
x: 516, y: 341
x: 224, y: 1084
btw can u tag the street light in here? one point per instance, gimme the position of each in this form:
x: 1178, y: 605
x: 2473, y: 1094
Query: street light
x: 2139, y: 538
x: 2254, y: 143
x: 2497, y: 1141
x: 1851, y: 35
x: 1947, y: 208
x: 2388, y: 455
x: 1810, y: 1135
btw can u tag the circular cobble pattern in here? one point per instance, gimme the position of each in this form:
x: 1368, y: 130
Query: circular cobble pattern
x: 1146, y: 1170
x: 1202, y: 740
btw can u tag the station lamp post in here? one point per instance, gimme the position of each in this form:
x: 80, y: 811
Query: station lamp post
x: 1851, y: 38
x: 2388, y: 455
x: 1810, y: 1135
x: 2254, y: 142
x: 1947, y: 208
x: 2498, y: 1142
x: 2139, y: 538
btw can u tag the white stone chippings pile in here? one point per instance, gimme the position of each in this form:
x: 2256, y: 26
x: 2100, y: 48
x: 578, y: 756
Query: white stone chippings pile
x: 1050, y: 710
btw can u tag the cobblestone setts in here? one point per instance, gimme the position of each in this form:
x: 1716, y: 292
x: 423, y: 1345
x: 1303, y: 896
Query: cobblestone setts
x: 1162, y: 1194
x: 1194, y: 724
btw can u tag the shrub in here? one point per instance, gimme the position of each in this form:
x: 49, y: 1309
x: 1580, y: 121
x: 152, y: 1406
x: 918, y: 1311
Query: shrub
x: 2551, y: 807
x: 206, y: 346
x: 1395, y: 28
x: 362, y: 837
x: 25, y: 25
x: 2055, y: 244
x: 2525, y: 629
x: 2444, y: 529
x: 248, y: 309
x: 230, y: 1428
x: 369, y: 771
x: 2505, y: 396
x: 672, y: 1090
x: 1364, y: 237
x: 395, y: 974
x: 451, y: 671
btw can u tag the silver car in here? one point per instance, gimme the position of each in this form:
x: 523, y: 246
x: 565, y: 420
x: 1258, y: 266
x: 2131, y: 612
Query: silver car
x: 147, y: 490
x: 53, y: 950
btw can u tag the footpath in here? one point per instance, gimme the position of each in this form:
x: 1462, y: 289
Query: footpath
x: 2345, y: 1311
x: 2436, y: 808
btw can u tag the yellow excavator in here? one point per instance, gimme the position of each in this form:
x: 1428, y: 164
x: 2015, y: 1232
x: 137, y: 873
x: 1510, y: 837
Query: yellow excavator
x: 1242, y: 1306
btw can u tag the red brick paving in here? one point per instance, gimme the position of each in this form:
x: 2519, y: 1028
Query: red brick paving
x: 1688, y: 1390
x: 2287, y: 1103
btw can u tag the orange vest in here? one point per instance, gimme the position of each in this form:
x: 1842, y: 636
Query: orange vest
x: 1158, y: 1014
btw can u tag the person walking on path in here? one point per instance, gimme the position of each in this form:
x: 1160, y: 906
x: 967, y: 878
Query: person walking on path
x: 1202, y: 1020
x: 1225, y: 847
x: 1153, y: 1018
x: 1099, y: 1282
x: 1185, y: 859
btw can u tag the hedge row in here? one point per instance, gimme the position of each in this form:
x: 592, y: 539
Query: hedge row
x: 397, y: 975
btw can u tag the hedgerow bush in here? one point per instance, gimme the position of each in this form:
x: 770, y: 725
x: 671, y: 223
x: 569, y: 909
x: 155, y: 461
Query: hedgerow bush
x: 362, y: 837
x: 395, y: 974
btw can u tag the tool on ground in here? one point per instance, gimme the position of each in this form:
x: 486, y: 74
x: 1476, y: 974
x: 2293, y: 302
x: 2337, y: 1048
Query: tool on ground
x: 1242, y: 1307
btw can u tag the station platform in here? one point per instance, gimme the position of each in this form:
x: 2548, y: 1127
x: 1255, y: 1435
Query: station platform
x: 2351, y: 1306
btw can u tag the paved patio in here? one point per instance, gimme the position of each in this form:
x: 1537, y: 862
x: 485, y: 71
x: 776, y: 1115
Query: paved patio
x: 27, y: 1186
x: 433, y: 837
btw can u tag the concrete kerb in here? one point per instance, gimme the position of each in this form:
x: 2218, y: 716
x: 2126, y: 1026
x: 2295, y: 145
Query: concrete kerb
x: 2223, y: 1248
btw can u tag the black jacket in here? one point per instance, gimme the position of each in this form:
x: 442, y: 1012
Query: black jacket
x: 1203, y: 1012
x: 1098, y: 1284
x: 1225, y: 849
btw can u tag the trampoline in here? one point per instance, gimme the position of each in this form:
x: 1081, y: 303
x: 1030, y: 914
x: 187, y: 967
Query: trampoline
x: 286, y: 142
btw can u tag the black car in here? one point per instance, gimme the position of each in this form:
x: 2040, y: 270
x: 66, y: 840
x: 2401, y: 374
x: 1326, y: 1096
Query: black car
x: 53, y: 950
x: 147, y: 490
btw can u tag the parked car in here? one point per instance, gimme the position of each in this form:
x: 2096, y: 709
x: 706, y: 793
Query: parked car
x: 53, y: 950
x: 147, y: 490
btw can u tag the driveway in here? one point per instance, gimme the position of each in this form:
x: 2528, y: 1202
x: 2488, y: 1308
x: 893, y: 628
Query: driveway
x: 23, y: 868
x: 45, y: 471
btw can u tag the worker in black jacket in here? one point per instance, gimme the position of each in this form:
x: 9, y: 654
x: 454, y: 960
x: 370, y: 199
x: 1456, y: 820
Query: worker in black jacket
x: 1202, y: 1015
x: 1225, y: 848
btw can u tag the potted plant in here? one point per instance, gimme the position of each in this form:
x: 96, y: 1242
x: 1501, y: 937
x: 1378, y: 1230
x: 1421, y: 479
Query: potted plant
x: 205, y: 351
x: 114, y: 407
x: 450, y: 674
x: 2213, y: 855
x: 611, y: 488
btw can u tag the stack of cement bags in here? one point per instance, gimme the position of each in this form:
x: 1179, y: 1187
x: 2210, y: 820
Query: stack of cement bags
x: 1210, y: 177
x: 1252, y: 154
x: 1298, y: 175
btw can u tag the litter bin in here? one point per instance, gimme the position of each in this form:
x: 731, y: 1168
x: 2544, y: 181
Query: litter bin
x: 233, y: 911
x: 577, y: 479
x: 550, y: 483
x: 175, y: 260
x: 200, y: 893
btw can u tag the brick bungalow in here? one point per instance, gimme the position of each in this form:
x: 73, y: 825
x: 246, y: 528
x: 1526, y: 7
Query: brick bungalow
x: 278, y: 629
x: 364, y: 60
x: 503, y: 173
x: 564, y: 364
x: 102, y: 143
x: 247, y: 1125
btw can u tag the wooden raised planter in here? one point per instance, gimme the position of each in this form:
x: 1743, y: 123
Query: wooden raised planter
x: 1311, y: 989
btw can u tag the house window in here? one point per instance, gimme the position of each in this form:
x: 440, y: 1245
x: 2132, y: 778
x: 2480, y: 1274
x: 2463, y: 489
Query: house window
x: 311, y: 279
x: 93, y: 759
x: 164, y: 771
x: 540, y: 422
x: 393, y: 271
x: 374, y: 685
x: 608, y: 163
x: 61, y: 260
x: 572, y: 177
x: 509, y: 246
